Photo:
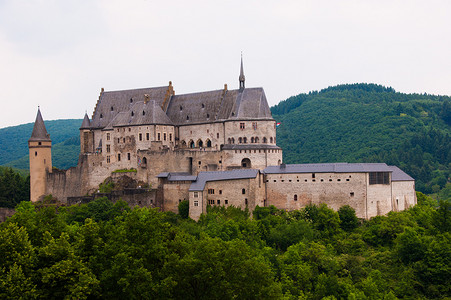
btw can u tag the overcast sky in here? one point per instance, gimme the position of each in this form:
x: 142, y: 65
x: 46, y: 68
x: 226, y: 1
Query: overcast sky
x: 59, y: 54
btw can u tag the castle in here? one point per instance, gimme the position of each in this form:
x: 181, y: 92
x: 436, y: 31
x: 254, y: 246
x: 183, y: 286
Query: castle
x: 211, y: 148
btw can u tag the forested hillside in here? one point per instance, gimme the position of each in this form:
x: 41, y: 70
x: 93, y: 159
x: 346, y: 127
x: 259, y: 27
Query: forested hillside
x: 65, y: 143
x: 370, y: 123
x: 103, y: 250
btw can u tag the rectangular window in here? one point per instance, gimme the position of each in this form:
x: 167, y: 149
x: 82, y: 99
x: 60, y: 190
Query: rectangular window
x: 242, y: 126
x: 107, y: 136
x: 196, y: 203
x: 147, y: 136
x: 220, y: 192
x: 108, y: 159
x: 118, y: 140
x: 211, y: 202
x: 164, y: 136
x: 196, y: 194
x: 211, y: 191
x: 254, y: 125
x: 118, y: 157
x: 379, y: 178
x: 140, y: 136
x: 128, y: 156
x: 108, y: 148
x: 159, y: 136
x: 243, y: 191
x: 170, y: 137
x: 226, y: 201
x: 218, y: 202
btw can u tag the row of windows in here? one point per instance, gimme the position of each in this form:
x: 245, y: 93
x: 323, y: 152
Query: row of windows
x: 259, y: 151
x: 253, y: 140
x: 243, y: 126
x: 306, y: 180
x: 198, y: 144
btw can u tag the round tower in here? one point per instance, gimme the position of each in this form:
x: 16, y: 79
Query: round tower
x: 40, y: 148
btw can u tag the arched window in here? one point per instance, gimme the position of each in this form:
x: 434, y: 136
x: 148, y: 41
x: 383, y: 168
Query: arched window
x: 208, y: 144
x: 183, y: 143
x: 244, y: 140
x: 233, y: 140
x: 295, y: 198
x: 191, y: 144
x: 200, y: 144
x: 252, y: 140
x: 245, y: 163
x: 265, y: 140
x: 229, y: 140
x: 256, y: 139
x: 240, y: 140
x: 270, y: 140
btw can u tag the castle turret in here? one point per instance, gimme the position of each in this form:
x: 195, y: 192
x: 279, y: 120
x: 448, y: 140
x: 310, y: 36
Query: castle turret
x: 86, y: 136
x: 40, y: 148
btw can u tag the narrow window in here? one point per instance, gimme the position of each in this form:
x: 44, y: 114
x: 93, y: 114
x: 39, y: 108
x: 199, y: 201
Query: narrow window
x: 220, y: 192
x: 242, y: 126
x: 107, y: 136
x: 164, y: 136
x: 218, y: 202
x: 217, y: 136
x: 245, y: 201
x: 196, y: 194
x: 295, y: 198
x: 140, y: 136
x: 108, y: 159
x: 313, y: 175
x: 36, y: 153
x: 108, y: 148
x: 147, y: 136
x: 170, y: 137
x: 118, y: 157
x: 128, y: 156
x: 243, y: 191
x: 158, y: 138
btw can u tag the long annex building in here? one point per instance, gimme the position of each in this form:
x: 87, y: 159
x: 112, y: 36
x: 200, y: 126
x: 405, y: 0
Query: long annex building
x: 211, y: 148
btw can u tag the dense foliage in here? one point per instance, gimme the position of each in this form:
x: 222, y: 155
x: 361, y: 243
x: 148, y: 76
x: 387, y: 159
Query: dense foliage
x: 14, y: 187
x: 370, y: 123
x: 65, y: 143
x: 104, y: 250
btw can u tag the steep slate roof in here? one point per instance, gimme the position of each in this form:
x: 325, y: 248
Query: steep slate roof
x: 39, y: 133
x: 203, y: 177
x: 141, y: 113
x: 218, y: 105
x: 249, y: 147
x: 328, y: 168
x: 123, y: 101
x: 399, y: 175
x: 86, y: 124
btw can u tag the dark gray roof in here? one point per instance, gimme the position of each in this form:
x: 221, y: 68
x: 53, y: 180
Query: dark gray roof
x: 249, y: 147
x: 177, y: 176
x: 112, y: 103
x: 141, y: 113
x: 399, y: 175
x: 39, y: 133
x: 328, y: 168
x: 218, y: 105
x: 203, y: 177
x: 86, y: 124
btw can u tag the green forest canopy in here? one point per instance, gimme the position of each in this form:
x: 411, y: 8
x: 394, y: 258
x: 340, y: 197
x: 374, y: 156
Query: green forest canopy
x: 104, y: 250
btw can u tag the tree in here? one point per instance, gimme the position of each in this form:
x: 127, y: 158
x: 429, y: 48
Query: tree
x: 348, y: 219
x: 184, y: 209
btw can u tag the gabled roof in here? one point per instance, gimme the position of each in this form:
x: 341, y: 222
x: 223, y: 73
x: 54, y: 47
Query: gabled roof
x: 140, y: 113
x: 204, y: 177
x: 219, y: 105
x: 328, y: 168
x: 86, y: 124
x: 399, y: 175
x: 112, y: 103
x: 39, y: 133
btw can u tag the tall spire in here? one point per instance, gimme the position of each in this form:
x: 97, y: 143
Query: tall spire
x: 39, y: 132
x: 242, y: 78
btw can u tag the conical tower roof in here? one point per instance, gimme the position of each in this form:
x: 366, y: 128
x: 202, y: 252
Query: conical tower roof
x: 86, y: 123
x: 39, y: 132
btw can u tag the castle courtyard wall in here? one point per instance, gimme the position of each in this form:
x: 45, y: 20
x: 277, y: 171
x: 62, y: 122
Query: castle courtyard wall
x: 404, y: 196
